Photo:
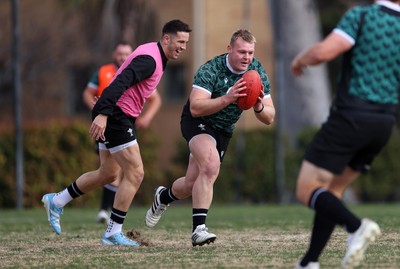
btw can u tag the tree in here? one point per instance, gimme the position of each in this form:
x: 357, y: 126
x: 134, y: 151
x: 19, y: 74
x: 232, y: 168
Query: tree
x: 305, y: 101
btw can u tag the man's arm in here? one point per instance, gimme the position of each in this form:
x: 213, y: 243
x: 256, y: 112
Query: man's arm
x: 201, y: 103
x: 138, y: 69
x: 153, y: 104
x: 89, y: 97
x: 265, y: 110
x: 329, y: 48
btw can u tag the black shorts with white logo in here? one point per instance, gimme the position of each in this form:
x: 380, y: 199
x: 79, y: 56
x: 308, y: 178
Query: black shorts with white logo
x: 191, y: 127
x: 120, y: 129
x: 350, y: 138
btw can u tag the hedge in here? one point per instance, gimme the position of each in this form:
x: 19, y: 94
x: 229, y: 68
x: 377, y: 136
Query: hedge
x: 57, y: 153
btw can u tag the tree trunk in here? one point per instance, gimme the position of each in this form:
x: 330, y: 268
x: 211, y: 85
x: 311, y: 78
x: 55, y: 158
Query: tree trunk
x: 302, y: 102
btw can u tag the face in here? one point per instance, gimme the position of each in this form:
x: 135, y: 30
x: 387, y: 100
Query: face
x: 174, y: 44
x: 241, y: 54
x: 120, y: 54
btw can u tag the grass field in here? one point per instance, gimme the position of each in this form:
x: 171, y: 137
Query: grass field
x: 267, y: 236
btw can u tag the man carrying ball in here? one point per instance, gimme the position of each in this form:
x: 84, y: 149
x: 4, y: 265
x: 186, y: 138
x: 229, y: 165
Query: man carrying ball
x: 207, y: 123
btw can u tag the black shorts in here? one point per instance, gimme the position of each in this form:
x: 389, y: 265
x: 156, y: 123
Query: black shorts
x: 350, y: 138
x: 191, y: 127
x: 120, y: 129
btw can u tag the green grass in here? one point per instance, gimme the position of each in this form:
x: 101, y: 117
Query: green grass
x: 265, y: 236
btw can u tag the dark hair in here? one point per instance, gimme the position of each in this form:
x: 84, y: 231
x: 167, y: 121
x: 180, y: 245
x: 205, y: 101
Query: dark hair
x: 174, y: 26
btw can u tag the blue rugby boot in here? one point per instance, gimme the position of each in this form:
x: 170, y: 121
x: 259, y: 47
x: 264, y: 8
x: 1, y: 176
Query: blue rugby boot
x: 53, y: 212
x: 118, y: 239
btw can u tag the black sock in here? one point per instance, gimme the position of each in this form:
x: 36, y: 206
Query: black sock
x: 74, y: 191
x: 118, y: 216
x: 107, y: 199
x: 199, y: 217
x: 167, y: 197
x: 324, y: 202
x: 321, y: 232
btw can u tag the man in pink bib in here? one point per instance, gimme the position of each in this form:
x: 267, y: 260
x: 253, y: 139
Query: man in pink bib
x: 113, y: 123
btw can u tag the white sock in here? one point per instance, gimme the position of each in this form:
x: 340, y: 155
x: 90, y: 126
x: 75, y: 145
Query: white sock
x: 111, y: 187
x: 62, y: 198
x: 113, y: 228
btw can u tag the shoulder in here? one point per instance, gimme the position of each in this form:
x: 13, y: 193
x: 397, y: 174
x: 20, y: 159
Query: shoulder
x: 213, y: 65
x: 351, y: 21
x: 107, y: 68
x: 258, y: 66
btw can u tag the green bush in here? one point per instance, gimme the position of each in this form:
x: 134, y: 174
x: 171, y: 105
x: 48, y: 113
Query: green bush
x: 248, y: 168
x: 247, y: 173
x: 55, y: 155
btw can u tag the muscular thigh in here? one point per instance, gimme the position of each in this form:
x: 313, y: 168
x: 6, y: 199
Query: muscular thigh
x: 197, y: 128
x: 119, y: 131
x: 108, y: 165
x: 203, y: 149
x: 129, y: 158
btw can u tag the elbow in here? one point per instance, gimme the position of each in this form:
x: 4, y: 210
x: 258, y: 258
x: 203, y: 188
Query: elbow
x: 269, y: 121
x: 195, y: 112
x: 159, y: 104
x: 269, y: 116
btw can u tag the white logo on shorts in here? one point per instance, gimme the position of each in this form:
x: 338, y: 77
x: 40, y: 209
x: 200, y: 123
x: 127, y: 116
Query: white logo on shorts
x: 202, y: 126
x: 130, y: 131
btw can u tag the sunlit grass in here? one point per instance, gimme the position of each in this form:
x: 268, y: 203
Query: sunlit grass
x: 264, y: 236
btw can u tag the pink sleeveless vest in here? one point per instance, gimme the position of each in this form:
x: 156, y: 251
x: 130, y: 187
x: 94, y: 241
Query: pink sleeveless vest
x: 132, y: 100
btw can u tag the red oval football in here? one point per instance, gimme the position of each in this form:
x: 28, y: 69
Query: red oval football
x: 253, y: 88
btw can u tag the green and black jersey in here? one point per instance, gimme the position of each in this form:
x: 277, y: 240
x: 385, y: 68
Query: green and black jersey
x: 370, y: 77
x: 216, y: 78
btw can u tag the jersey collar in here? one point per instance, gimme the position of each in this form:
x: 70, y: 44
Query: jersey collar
x: 163, y: 57
x: 230, y: 67
x: 388, y: 4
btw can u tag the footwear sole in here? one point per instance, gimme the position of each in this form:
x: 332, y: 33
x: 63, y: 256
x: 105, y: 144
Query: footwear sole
x: 357, y: 255
x: 208, y: 241
x: 109, y: 243
x: 106, y: 243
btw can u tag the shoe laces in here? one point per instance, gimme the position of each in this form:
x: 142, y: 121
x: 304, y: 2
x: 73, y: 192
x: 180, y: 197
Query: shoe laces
x: 121, y: 236
x: 201, y: 229
x: 160, y: 209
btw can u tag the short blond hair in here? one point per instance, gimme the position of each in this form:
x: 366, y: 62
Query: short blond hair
x: 244, y: 34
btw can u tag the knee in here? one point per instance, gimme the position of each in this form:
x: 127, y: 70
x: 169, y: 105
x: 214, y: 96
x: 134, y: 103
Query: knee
x: 301, y: 196
x: 109, y: 177
x: 210, y: 169
x: 140, y: 175
x: 137, y: 176
x: 303, y: 192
